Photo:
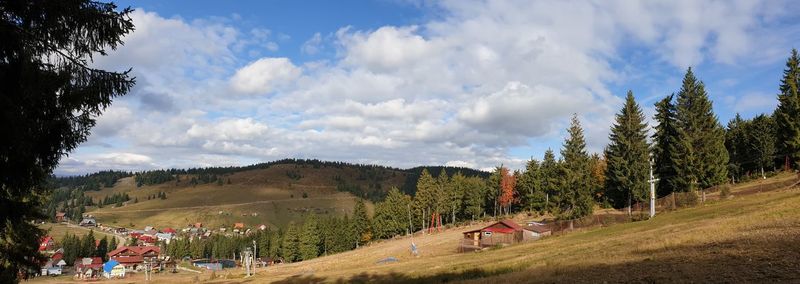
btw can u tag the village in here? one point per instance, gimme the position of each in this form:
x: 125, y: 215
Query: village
x: 139, y: 251
x: 143, y: 251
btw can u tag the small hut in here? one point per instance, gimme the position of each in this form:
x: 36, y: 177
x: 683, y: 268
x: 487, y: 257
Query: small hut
x: 499, y: 233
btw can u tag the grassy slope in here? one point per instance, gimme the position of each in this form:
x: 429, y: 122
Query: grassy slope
x: 267, y: 192
x: 747, y: 238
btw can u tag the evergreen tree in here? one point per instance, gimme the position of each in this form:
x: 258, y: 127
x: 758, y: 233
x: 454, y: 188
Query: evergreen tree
x: 102, y: 248
x: 88, y: 245
x: 665, y: 141
x: 425, y: 198
x: 575, y: 199
x: 112, y: 244
x: 736, y: 143
x: 391, y: 215
x: 310, y: 241
x: 701, y: 160
x: 276, y: 242
x: 551, y: 179
x: 50, y: 100
x: 441, y: 195
x: 628, y: 166
x: 761, y: 141
x: 290, y: 250
x: 474, y: 192
x: 361, y: 224
x: 455, y: 194
x: 787, y: 115
x: 530, y: 186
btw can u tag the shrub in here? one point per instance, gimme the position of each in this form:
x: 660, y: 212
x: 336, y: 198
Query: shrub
x: 724, y: 191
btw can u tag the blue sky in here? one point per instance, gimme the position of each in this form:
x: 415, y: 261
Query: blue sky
x: 406, y: 83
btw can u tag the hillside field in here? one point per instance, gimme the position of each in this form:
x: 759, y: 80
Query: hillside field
x: 747, y: 238
x: 261, y: 196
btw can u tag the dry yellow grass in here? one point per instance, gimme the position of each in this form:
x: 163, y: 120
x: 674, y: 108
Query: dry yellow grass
x: 269, y: 193
x: 748, y: 238
x: 745, y: 239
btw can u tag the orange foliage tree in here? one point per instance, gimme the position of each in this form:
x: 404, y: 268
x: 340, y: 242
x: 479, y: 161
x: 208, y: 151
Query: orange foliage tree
x: 508, y: 183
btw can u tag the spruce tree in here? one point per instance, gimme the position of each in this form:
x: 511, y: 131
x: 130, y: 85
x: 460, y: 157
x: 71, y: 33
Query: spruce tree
x: 361, y: 224
x: 665, y: 141
x: 391, y: 215
x: 530, y: 187
x: 575, y: 198
x: 88, y: 245
x: 551, y: 179
x: 627, y: 155
x: 290, y: 250
x: 701, y: 160
x: 761, y: 142
x: 424, y: 198
x: 787, y: 114
x: 455, y: 194
x: 735, y: 142
x: 310, y: 241
x: 102, y: 248
x: 112, y: 244
x: 51, y: 96
x: 474, y: 192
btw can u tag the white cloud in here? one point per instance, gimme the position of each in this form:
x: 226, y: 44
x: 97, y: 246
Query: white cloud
x: 463, y: 88
x: 312, y: 45
x: 264, y: 75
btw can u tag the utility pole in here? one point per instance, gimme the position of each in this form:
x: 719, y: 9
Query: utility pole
x: 255, y: 253
x: 652, y: 191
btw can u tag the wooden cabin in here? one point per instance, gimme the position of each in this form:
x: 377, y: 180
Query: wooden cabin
x: 499, y: 233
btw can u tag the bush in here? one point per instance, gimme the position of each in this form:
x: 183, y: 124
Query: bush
x: 724, y: 191
x: 686, y: 199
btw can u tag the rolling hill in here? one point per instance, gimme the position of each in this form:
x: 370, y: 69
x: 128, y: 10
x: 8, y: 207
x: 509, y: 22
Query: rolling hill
x: 274, y: 193
x: 752, y: 236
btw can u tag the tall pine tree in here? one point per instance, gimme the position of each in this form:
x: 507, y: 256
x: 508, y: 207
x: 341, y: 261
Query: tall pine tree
x: 391, y: 214
x: 361, y: 224
x: 665, y: 140
x: 627, y: 155
x: 787, y: 115
x: 701, y: 160
x: 575, y: 197
x: 310, y: 241
x: 551, y: 179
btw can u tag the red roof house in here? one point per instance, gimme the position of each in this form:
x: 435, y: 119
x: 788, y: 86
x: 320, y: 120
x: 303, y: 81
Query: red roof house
x: 502, y: 232
x: 131, y: 256
x: 169, y: 231
x: 46, y: 243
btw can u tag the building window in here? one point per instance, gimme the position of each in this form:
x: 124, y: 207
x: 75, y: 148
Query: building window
x: 488, y: 234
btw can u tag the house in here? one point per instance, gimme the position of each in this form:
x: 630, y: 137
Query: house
x: 169, y: 231
x: 147, y: 239
x: 54, y: 264
x: 262, y: 227
x: 498, y: 233
x: 238, y: 226
x: 148, y: 228
x: 198, y: 225
x: 165, y: 237
x: 113, y: 269
x: 61, y: 217
x: 88, y: 222
x: 535, y: 230
x: 88, y: 267
x: 134, y: 256
x: 46, y: 243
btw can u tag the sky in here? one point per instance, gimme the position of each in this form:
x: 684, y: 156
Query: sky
x: 406, y: 83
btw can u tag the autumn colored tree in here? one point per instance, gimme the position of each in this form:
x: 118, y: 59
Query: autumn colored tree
x: 507, y: 193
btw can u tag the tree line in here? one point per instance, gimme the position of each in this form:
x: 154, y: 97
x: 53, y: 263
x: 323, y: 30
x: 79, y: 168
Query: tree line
x: 76, y: 247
